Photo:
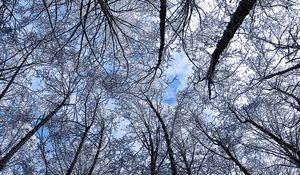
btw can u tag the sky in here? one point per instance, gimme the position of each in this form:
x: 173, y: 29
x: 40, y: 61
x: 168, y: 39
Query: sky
x: 181, y: 68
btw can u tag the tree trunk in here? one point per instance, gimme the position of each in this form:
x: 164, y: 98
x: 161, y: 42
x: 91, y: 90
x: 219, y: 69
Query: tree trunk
x: 237, y: 18
x: 22, y: 142
x: 167, y: 138
x: 83, y: 138
x: 98, y: 151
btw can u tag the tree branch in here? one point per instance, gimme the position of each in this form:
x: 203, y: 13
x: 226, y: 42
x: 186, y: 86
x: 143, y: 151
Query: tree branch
x: 236, y: 20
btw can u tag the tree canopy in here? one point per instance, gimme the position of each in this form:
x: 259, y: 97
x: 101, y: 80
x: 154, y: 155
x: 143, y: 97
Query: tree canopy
x: 149, y: 87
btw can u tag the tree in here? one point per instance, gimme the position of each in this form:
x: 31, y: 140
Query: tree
x: 85, y: 87
x: 147, y: 130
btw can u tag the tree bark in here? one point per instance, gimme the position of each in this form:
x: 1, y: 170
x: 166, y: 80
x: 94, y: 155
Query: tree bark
x: 98, y: 151
x: 22, y: 142
x: 166, y: 136
x: 297, y: 66
x: 245, y: 6
x: 233, y: 158
x: 82, y: 140
x: 162, y: 26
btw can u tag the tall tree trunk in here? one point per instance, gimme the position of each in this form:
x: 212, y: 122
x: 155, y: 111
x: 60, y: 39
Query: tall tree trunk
x: 82, y: 140
x: 167, y: 138
x: 245, y: 6
x: 162, y: 26
x: 153, y: 158
x: 233, y: 158
x: 98, y: 151
x: 22, y: 142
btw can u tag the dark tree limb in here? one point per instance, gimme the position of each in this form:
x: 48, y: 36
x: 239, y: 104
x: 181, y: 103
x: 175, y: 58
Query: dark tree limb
x: 245, y: 6
x: 162, y: 26
x: 4, y: 91
x: 83, y: 137
x: 24, y: 140
x: 233, y: 158
x: 292, y: 152
x: 98, y: 149
x: 166, y: 136
x: 78, y: 151
x: 297, y: 66
x: 219, y: 142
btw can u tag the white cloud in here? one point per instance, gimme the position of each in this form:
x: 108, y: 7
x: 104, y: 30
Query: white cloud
x: 181, y: 68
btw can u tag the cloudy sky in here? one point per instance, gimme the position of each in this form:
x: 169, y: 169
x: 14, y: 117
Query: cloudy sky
x: 180, y: 69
